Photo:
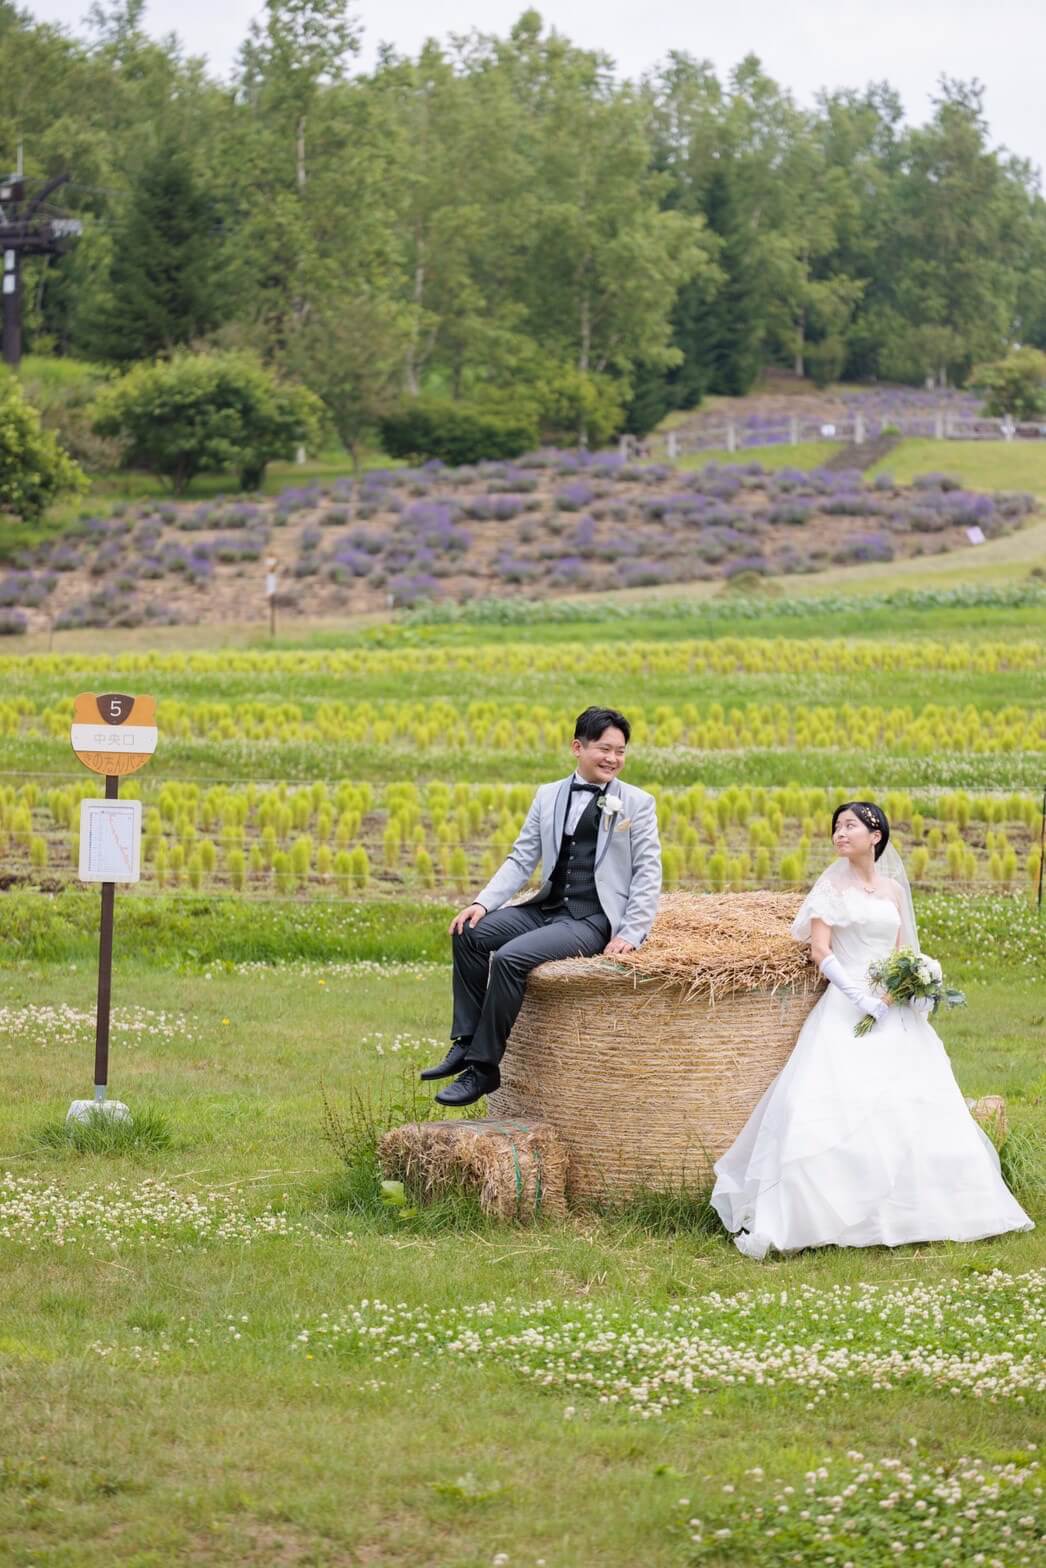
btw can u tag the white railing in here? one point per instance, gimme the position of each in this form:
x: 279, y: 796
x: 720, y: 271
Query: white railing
x: 736, y: 435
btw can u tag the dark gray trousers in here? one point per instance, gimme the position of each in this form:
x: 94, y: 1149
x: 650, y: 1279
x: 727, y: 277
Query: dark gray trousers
x: 492, y: 961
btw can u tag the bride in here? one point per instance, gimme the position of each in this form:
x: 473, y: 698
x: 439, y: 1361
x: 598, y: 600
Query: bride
x: 861, y: 1142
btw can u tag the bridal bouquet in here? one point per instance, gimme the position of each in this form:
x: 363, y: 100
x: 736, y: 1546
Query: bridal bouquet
x: 906, y: 975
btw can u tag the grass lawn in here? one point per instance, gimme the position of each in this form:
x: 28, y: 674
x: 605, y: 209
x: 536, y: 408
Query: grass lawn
x: 806, y: 454
x: 223, y: 1349
x: 161, y: 1405
x: 981, y: 465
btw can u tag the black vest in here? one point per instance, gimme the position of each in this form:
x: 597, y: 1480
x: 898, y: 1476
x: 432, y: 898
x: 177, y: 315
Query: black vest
x: 573, y: 880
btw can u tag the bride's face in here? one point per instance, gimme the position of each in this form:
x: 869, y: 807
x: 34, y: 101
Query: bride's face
x: 852, y: 838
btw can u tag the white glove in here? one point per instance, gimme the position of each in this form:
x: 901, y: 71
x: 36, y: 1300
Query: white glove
x: 923, y: 1005
x: 833, y: 971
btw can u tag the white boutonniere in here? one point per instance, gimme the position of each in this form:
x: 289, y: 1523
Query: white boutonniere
x: 609, y: 805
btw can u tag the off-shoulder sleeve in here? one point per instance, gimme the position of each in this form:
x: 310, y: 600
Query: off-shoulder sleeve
x: 821, y: 903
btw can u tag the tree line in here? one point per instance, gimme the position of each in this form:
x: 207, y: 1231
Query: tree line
x: 507, y: 224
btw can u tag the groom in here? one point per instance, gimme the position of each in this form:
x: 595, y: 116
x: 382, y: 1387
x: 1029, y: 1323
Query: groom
x: 596, y: 840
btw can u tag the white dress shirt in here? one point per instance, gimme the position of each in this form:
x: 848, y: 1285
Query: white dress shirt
x: 579, y: 803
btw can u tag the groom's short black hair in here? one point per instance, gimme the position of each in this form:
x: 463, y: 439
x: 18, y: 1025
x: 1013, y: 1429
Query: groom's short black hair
x: 592, y: 723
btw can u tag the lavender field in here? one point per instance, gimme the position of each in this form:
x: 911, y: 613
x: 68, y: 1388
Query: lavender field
x: 551, y: 524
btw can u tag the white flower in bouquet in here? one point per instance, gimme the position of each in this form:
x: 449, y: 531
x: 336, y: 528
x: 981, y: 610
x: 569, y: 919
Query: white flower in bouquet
x: 905, y: 976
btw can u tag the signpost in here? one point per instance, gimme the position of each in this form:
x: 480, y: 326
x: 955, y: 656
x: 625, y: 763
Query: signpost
x: 271, y: 586
x: 112, y: 734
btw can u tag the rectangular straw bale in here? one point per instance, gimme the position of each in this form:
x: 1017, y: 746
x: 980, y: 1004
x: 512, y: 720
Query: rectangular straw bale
x: 517, y: 1168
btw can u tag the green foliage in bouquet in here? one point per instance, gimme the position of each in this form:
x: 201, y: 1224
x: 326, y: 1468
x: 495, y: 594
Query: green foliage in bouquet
x: 906, y: 975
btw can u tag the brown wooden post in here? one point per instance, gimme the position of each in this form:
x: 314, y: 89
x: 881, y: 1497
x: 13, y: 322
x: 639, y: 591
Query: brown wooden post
x: 105, y: 972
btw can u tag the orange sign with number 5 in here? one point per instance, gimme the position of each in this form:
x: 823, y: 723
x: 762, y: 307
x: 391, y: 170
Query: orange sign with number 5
x: 114, y: 733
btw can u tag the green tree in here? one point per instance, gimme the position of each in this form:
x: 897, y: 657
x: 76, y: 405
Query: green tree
x: 165, y: 272
x: 961, y: 230
x: 601, y: 260
x: 1015, y: 385
x: 351, y: 354
x: 33, y: 467
x: 284, y: 145
x: 722, y: 335
x: 197, y: 414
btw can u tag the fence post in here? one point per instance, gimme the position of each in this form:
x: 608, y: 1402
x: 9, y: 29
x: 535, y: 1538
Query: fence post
x: 731, y: 437
x: 938, y: 426
x: 793, y: 430
x: 673, y: 446
x: 858, y: 429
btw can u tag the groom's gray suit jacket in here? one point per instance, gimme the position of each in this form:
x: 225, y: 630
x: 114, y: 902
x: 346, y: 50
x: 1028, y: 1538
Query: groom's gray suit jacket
x: 628, y: 857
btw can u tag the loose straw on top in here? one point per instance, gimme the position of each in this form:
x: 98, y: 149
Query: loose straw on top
x: 715, y: 944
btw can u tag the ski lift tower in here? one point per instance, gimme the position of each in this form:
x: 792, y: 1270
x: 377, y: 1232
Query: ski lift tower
x: 27, y: 228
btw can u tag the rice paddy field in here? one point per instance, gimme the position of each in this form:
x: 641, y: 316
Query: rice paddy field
x: 220, y: 1343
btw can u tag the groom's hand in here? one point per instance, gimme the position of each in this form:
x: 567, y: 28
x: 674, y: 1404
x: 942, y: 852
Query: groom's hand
x: 468, y: 917
x: 618, y: 946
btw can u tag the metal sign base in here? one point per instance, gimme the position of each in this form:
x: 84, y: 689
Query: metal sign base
x: 84, y: 1110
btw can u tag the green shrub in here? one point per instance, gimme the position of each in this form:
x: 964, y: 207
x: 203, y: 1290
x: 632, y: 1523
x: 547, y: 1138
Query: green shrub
x: 64, y: 391
x: 283, y: 872
x: 206, y: 413
x: 33, y: 467
x: 1015, y: 385
x: 456, y: 433
x: 572, y: 403
x: 825, y: 360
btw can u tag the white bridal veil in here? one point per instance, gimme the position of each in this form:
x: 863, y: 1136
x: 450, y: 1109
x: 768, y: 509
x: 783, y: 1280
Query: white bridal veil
x: 827, y: 899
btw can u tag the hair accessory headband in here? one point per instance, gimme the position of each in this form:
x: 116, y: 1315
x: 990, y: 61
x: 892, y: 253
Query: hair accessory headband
x: 868, y: 815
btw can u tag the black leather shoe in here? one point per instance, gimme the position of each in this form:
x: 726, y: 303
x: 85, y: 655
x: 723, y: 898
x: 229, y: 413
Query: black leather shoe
x: 473, y: 1084
x: 452, y: 1063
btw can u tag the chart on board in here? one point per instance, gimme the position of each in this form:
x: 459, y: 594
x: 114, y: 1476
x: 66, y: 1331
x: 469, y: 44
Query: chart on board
x: 110, y: 840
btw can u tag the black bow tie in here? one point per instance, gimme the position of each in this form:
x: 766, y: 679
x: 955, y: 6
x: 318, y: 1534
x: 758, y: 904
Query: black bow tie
x: 589, y: 789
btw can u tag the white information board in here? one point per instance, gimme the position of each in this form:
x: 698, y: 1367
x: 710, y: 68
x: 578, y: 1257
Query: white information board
x: 110, y: 840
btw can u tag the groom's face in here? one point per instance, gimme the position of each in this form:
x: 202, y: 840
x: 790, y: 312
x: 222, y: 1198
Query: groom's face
x: 601, y: 760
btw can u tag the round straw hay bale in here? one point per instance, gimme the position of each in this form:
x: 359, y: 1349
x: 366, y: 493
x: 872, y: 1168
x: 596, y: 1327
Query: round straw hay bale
x: 517, y: 1168
x: 649, y: 1068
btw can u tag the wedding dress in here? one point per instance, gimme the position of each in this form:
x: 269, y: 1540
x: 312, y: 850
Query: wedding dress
x: 861, y: 1142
